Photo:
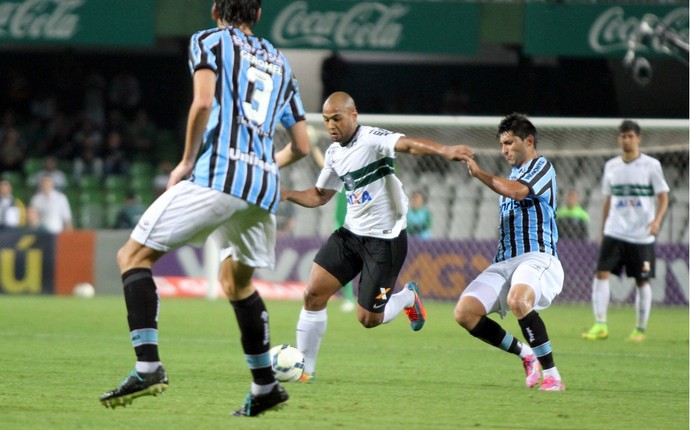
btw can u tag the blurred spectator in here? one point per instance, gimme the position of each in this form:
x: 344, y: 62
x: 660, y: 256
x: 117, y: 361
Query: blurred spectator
x: 94, y: 97
x: 12, y: 209
x: 285, y: 219
x: 43, y: 106
x: 49, y: 209
x: 418, y: 217
x: 115, y: 160
x: 116, y: 121
x: 50, y: 168
x: 160, y: 181
x: 87, y: 129
x: 87, y: 159
x: 131, y: 211
x: 125, y: 92
x: 143, y: 131
x: 57, y: 138
x: 572, y: 219
x: 35, y: 137
x: 18, y: 87
x: 12, y: 150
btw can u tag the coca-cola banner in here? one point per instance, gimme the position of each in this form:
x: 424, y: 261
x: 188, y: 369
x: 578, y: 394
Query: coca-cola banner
x: 599, y: 30
x: 400, y: 26
x: 78, y: 22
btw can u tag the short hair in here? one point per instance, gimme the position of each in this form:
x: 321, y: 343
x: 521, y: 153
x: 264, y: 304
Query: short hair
x: 238, y: 11
x: 519, y: 125
x: 629, y: 125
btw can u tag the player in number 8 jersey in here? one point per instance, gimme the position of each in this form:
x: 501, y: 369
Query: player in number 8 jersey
x: 243, y: 87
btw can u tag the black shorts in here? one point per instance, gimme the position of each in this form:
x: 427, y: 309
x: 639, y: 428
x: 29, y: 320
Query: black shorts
x: 638, y: 259
x: 346, y: 254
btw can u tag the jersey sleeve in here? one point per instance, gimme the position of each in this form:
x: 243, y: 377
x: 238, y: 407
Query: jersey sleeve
x: 385, y: 145
x: 540, y: 177
x: 200, y: 55
x: 605, y: 181
x: 294, y: 111
x: 658, y: 181
x: 328, y: 178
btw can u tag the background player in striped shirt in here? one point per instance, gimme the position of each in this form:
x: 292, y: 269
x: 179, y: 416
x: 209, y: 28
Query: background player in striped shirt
x: 635, y: 204
x: 243, y: 87
x: 372, y: 241
x: 526, y: 274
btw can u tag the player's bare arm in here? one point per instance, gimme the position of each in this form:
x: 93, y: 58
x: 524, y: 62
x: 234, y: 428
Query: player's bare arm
x: 310, y: 198
x: 420, y: 146
x: 505, y: 187
x: 299, y: 145
x: 661, y: 206
x: 199, y: 113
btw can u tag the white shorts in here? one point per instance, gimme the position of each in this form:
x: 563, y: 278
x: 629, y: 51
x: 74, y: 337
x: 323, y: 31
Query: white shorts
x: 187, y: 214
x: 543, y: 272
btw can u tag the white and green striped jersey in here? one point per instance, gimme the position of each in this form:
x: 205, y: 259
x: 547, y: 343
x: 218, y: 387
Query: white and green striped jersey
x: 376, y: 202
x: 632, y: 188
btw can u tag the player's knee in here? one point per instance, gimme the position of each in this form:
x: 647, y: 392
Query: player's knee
x: 370, y: 320
x: 461, y: 315
x: 466, y: 314
x: 123, y: 258
x: 314, y: 300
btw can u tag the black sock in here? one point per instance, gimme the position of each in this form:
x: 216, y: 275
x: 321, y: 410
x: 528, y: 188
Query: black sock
x: 534, y: 330
x: 492, y: 333
x: 141, y: 299
x: 252, y: 319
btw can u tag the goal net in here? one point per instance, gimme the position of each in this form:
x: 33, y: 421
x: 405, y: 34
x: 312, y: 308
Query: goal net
x: 465, y: 213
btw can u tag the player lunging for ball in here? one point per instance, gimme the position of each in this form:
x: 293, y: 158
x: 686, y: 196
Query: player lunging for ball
x: 243, y: 87
x: 526, y: 273
x: 372, y: 240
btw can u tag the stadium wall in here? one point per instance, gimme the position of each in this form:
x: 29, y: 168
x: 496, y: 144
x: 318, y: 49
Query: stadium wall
x: 39, y: 263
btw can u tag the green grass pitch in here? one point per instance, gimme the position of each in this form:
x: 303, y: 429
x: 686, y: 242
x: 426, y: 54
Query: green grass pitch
x: 60, y: 353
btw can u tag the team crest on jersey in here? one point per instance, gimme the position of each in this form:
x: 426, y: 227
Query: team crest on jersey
x: 349, y: 182
x: 358, y: 198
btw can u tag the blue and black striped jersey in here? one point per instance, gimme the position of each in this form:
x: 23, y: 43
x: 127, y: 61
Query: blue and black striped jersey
x: 255, y: 88
x: 529, y: 225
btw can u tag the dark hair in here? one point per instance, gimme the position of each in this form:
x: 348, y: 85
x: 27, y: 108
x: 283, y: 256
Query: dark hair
x: 238, y: 11
x: 519, y: 125
x: 629, y: 125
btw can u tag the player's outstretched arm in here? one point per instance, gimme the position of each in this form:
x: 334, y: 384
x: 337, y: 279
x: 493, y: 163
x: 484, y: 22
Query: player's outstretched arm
x: 420, y: 146
x: 505, y: 187
x: 311, y: 198
x: 299, y: 145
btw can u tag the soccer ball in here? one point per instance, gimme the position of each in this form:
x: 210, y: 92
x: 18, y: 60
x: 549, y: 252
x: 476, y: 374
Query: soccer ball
x: 84, y: 290
x: 287, y: 363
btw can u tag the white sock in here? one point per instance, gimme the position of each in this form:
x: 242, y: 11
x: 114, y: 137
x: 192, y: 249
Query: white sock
x: 259, y: 390
x: 643, y: 305
x: 146, y: 366
x: 601, y: 295
x: 552, y: 372
x: 311, y: 328
x: 526, y: 350
x: 398, y: 301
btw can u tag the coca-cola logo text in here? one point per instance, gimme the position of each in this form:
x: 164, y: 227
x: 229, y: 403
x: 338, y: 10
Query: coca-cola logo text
x: 39, y: 19
x: 611, y: 31
x: 365, y: 25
